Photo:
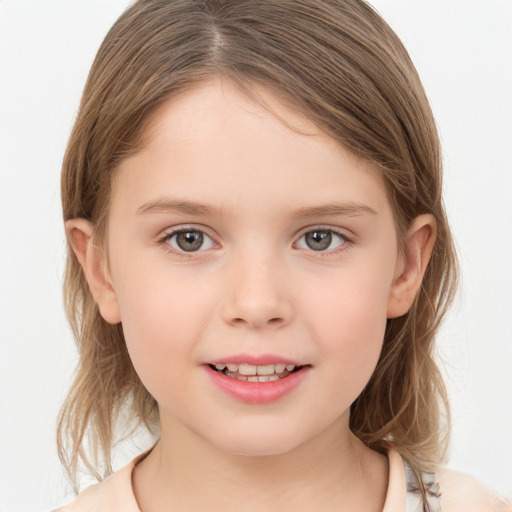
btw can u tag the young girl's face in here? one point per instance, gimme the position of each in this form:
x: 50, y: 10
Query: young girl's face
x: 233, y: 239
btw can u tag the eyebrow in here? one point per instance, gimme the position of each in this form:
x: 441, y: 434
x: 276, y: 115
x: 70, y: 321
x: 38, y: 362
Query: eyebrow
x: 346, y: 209
x: 178, y: 206
x: 194, y: 208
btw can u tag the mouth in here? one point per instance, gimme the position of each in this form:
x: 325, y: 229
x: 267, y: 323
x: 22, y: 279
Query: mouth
x: 257, y: 383
x: 256, y: 373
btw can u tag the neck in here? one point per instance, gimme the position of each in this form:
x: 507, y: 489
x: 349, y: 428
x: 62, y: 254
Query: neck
x: 333, y: 471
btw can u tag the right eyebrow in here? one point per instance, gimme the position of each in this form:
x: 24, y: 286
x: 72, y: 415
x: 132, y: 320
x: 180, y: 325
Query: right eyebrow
x: 178, y: 206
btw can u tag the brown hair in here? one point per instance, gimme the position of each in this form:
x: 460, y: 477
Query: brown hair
x: 341, y: 65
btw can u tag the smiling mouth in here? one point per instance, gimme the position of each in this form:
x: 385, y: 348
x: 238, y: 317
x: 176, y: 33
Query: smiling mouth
x: 253, y: 373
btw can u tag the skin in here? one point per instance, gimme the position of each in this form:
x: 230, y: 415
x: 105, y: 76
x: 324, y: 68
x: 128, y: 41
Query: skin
x: 254, y: 287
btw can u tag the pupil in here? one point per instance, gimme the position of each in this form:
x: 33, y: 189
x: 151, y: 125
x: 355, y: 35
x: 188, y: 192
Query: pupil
x: 190, y: 240
x: 318, y: 240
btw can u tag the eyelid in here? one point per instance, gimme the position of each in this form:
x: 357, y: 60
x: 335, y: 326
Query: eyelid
x: 175, y: 230
x: 170, y: 232
x: 348, y: 239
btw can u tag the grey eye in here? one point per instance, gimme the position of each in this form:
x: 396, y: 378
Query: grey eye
x: 189, y: 240
x: 321, y: 240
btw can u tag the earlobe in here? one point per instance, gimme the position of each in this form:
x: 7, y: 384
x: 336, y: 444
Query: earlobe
x: 79, y: 233
x: 412, y: 265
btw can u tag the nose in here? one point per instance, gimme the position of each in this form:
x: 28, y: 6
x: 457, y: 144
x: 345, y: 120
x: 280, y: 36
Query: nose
x: 257, y: 294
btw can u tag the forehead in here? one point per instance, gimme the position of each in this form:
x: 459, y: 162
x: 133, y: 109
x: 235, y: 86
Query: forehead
x: 213, y: 141
x: 219, y: 102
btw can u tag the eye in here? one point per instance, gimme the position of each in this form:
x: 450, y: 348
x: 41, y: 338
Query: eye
x: 321, y: 240
x: 188, y: 240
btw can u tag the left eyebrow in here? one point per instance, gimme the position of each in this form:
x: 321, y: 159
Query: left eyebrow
x: 345, y: 209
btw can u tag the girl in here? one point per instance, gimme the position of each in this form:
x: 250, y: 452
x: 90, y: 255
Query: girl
x: 259, y: 262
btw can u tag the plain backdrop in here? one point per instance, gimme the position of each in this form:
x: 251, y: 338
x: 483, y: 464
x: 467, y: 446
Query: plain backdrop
x: 463, y: 51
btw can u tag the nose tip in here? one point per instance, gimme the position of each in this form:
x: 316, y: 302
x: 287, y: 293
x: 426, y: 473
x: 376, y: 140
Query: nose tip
x: 257, y: 299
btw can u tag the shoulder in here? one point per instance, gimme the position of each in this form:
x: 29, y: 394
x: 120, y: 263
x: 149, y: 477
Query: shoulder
x: 461, y: 492
x: 86, y: 501
x: 114, y: 494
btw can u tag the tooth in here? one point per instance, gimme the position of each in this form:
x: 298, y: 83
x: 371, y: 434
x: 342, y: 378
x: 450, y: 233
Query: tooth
x: 253, y: 378
x: 272, y: 378
x: 247, y: 369
x: 280, y: 368
x: 290, y: 367
x: 241, y: 377
x: 264, y: 378
x: 265, y: 370
x: 232, y: 367
x: 220, y: 366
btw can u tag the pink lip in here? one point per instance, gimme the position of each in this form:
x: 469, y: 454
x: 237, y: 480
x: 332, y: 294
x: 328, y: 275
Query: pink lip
x: 256, y: 360
x: 257, y: 392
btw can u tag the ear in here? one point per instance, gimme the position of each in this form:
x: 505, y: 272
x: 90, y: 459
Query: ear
x: 411, y: 265
x: 80, y: 236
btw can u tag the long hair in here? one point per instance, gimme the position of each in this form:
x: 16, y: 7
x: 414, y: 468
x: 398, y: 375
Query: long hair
x: 341, y: 65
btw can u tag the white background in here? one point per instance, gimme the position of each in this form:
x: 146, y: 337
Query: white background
x: 463, y: 51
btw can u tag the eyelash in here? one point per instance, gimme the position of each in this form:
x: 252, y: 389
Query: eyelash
x: 164, y: 241
x: 346, y: 241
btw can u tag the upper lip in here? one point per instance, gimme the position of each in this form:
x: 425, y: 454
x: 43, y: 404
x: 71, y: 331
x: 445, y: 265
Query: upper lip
x: 256, y: 360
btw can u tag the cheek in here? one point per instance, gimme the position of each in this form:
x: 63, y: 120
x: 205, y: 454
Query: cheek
x: 156, y: 301
x: 354, y: 336
x: 161, y: 324
x: 351, y: 304
x: 349, y: 322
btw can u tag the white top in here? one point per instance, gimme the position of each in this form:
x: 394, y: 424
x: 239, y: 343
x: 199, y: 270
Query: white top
x: 458, y: 492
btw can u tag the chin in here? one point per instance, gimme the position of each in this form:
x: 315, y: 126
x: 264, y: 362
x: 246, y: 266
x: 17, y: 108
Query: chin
x: 264, y: 441
x: 263, y: 449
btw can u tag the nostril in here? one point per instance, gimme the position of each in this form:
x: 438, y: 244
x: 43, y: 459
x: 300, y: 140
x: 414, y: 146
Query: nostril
x: 256, y: 313
x: 275, y: 320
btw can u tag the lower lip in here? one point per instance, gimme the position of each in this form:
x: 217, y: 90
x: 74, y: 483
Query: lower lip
x: 257, y: 392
